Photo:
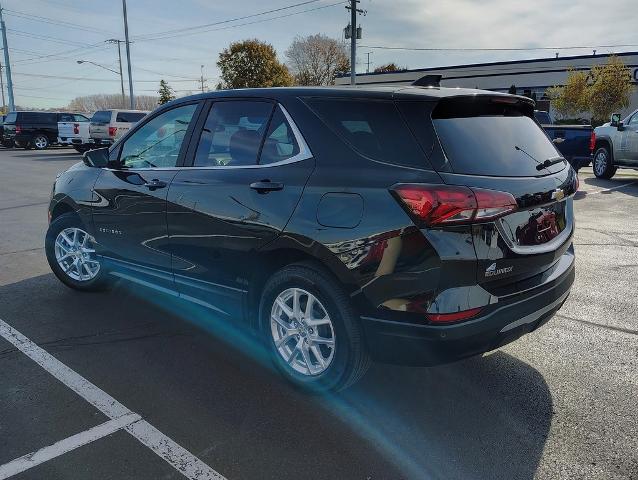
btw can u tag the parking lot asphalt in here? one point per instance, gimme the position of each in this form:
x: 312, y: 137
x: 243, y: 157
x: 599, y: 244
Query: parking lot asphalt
x: 558, y: 403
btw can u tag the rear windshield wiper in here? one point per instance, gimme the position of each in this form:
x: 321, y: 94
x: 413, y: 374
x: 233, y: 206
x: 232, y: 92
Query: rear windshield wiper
x: 549, y: 162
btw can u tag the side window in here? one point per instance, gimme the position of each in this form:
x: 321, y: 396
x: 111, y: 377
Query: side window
x: 233, y: 133
x: 65, y: 117
x: 80, y: 118
x: 633, y: 121
x: 280, y: 143
x: 157, y: 143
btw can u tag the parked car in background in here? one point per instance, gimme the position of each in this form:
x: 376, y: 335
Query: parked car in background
x: 106, y: 126
x: 33, y: 129
x: 616, y: 145
x: 5, y: 142
x: 73, y: 130
x: 400, y: 224
x: 574, y: 142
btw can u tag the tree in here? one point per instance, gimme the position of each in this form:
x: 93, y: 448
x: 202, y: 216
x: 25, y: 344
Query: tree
x: 251, y: 63
x: 389, y: 67
x: 610, y: 89
x: 166, y: 93
x: 103, y: 101
x: 512, y: 90
x: 572, y: 98
x: 602, y: 91
x: 317, y: 59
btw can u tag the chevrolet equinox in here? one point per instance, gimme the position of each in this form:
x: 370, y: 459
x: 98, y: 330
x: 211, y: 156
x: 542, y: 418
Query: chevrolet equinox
x: 407, y: 225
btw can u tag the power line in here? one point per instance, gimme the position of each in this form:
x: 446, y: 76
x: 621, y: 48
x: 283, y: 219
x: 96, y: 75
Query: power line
x: 36, y: 59
x: 152, y: 36
x: 53, y: 21
x: 62, y: 77
x: 44, y: 37
x: 496, y: 49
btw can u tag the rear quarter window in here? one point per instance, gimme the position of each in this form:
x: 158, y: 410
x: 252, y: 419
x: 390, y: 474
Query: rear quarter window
x: 129, y: 117
x: 11, y: 118
x: 373, y: 128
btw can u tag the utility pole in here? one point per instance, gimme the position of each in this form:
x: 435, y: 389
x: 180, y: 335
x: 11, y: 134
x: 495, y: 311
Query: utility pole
x: 119, y: 56
x: 128, y: 56
x: 7, y: 63
x: 368, y: 62
x: 201, y: 78
x: 4, y: 105
x: 354, y: 34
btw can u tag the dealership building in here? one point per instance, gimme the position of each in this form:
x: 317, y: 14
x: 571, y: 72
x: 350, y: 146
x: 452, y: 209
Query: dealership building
x: 530, y: 77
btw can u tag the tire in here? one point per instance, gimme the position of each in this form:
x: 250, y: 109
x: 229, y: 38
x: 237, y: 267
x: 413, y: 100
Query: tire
x: 40, y: 141
x: 603, y: 163
x: 345, y: 362
x: 90, y: 277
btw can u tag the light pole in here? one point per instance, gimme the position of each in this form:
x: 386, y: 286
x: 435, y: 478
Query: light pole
x: 128, y: 55
x: 119, y: 57
x: 110, y: 70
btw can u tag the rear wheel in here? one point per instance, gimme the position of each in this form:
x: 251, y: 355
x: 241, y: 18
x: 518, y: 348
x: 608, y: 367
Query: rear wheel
x: 40, y: 141
x: 603, y: 166
x: 311, y: 329
x: 70, y: 251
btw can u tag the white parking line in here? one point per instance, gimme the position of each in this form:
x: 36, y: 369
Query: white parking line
x: 178, y: 457
x: 33, y: 459
x: 610, y: 189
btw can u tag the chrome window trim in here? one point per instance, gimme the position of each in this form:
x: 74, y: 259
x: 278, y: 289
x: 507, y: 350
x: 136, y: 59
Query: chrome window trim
x: 304, y: 154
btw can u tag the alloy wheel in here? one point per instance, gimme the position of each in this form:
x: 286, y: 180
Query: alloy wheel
x: 75, y: 254
x: 600, y: 163
x: 302, y: 331
x: 40, y: 142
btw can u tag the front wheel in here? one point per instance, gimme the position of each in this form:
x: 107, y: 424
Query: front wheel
x: 311, y: 329
x: 603, y: 166
x: 70, y: 251
x: 40, y: 142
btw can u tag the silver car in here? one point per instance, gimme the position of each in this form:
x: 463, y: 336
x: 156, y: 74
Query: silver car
x: 616, y: 145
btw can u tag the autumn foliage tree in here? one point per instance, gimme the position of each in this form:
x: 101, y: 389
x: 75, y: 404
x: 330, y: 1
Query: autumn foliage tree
x: 602, y: 91
x: 251, y: 63
x: 317, y: 59
x: 389, y: 67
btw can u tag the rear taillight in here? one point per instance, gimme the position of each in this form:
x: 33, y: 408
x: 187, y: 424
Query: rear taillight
x: 112, y: 131
x: 454, y: 316
x: 76, y: 128
x: 449, y: 204
x: 18, y: 129
x: 592, y: 141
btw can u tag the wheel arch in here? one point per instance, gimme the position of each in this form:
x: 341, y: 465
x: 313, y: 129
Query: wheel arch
x: 605, y: 142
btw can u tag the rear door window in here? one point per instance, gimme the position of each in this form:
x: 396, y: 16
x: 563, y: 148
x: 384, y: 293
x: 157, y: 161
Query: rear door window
x: 233, y: 133
x: 483, y: 138
x: 374, y: 128
x: 101, y: 116
x: 129, y: 117
x: 280, y: 143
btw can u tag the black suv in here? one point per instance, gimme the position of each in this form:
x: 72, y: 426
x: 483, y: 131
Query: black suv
x: 33, y: 129
x: 407, y: 225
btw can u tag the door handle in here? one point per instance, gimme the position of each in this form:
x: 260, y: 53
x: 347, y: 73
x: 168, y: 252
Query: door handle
x: 155, y: 184
x: 265, y: 186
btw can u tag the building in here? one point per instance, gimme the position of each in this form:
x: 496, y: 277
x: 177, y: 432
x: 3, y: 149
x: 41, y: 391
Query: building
x: 529, y: 77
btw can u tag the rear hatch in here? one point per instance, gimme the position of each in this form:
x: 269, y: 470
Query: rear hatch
x: 522, y: 187
x: 99, y: 126
x: 10, y: 125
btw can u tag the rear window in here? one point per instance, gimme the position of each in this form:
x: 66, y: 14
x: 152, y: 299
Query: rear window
x: 11, y: 117
x: 129, y: 117
x: 542, y: 117
x: 374, y: 128
x: 101, y: 116
x: 480, y: 138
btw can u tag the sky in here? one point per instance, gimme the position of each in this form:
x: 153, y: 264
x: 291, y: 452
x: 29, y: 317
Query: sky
x: 47, y: 37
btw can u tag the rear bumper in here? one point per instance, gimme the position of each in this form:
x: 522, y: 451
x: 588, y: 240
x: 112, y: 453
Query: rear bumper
x: 420, y: 344
x: 101, y: 141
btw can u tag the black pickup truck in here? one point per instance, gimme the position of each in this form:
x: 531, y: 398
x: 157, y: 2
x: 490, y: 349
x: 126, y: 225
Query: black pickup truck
x: 574, y: 142
x: 33, y: 129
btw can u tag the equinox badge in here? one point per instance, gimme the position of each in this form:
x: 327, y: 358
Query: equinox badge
x: 492, y: 271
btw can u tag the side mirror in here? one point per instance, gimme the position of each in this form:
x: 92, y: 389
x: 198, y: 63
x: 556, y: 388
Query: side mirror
x: 98, y: 158
x: 615, y: 119
x: 620, y: 126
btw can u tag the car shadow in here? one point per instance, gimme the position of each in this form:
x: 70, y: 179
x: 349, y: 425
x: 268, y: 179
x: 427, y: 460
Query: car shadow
x: 484, y: 417
x: 610, y: 187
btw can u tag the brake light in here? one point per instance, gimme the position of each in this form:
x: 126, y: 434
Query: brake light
x: 454, y: 316
x: 76, y: 128
x: 112, y: 131
x: 18, y: 129
x: 450, y: 204
x: 592, y: 141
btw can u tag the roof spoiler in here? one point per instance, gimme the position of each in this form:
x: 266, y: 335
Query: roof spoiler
x: 428, y: 81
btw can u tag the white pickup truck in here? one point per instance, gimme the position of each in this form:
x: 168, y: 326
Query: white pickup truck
x: 73, y: 130
x: 616, y: 145
x: 107, y: 126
